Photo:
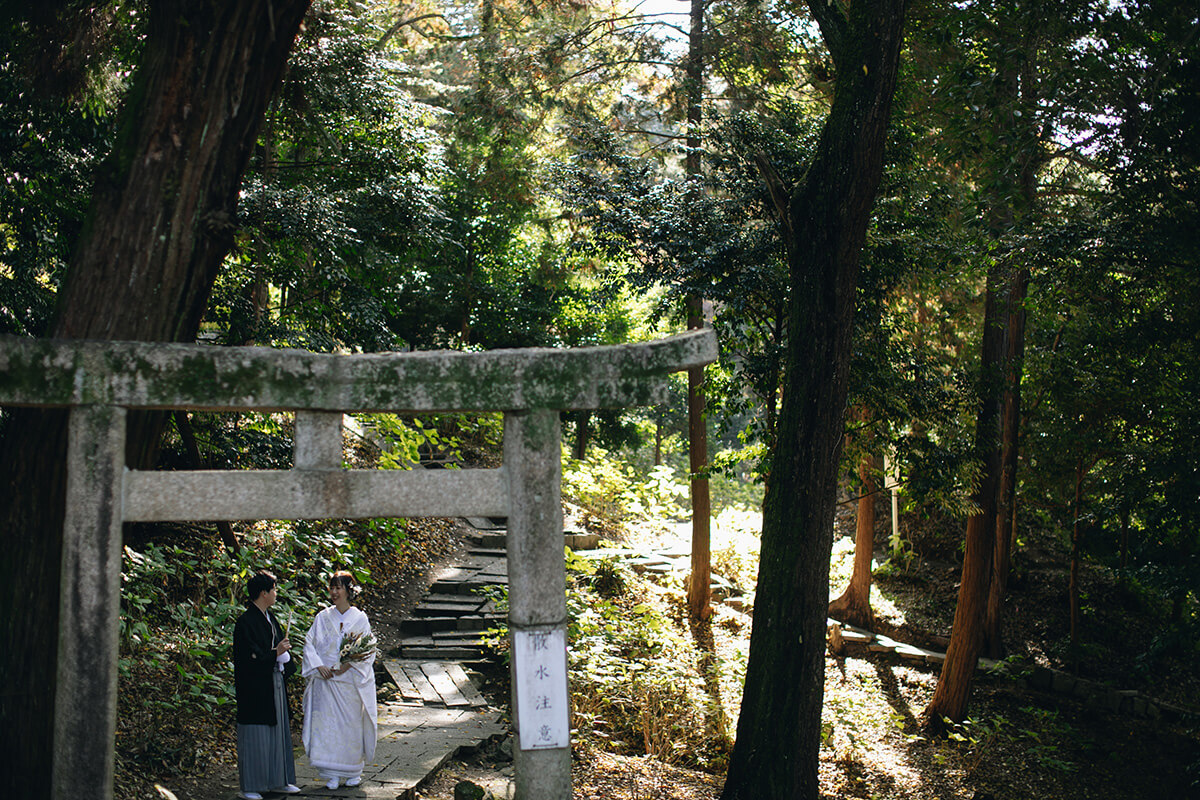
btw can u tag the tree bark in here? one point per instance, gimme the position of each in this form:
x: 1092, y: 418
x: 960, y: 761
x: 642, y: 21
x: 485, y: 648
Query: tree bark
x: 161, y: 221
x: 966, y: 639
x: 825, y: 224
x: 853, y: 606
x: 1010, y: 423
x: 583, y: 434
x: 700, y: 584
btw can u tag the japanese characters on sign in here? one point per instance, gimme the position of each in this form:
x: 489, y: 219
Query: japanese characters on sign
x: 541, y: 674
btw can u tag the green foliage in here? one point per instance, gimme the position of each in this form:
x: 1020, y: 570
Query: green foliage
x: 408, y: 441
x: 1113, y: 330
x: 339, y: 195
x: 1038, y: 732
x: 231, y: 441
x: 608, y: 488
x: 634, y: 683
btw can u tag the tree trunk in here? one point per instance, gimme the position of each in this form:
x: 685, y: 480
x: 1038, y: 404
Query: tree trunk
x: 161, y: 221
x: 700, y: 584
x: 1076, y: 541
x: 825, y: 222
x: 1012, y: 178
x: 966, y: 639
x: 583, y: 428
x: 1010, y: 424
x: 854, y: 604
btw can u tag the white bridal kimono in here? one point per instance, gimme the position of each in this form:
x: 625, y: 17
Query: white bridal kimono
x: 340, y: 721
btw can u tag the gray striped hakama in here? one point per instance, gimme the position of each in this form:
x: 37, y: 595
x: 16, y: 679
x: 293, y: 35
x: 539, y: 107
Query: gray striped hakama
x: 265, y: 757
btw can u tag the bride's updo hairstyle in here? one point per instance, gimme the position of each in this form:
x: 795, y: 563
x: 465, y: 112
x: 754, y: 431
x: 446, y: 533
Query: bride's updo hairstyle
x: 346, y: 581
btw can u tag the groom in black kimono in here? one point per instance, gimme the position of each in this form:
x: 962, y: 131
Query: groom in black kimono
x: 261, y: 662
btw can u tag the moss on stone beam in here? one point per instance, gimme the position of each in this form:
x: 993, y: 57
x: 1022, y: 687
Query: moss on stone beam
x: 147, y: 375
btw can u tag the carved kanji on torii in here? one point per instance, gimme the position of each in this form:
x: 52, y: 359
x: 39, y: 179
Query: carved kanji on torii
x: 101, y: 381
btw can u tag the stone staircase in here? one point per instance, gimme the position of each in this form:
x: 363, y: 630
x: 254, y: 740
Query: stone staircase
x: 448, y: 623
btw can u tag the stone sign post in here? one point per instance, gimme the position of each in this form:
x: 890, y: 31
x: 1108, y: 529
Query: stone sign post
x: 100, y: 381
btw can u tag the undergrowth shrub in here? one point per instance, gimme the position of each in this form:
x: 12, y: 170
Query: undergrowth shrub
x: 635, y: 683
x: 608, y: 488
x: 635, y: 688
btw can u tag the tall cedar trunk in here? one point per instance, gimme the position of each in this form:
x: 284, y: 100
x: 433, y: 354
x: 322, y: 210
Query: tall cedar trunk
x: 1010, y: 423
x: 966, y: 638
x: 854, y: 604
x: 700, y: 585
x: 1076, y: 542
x: 978, y: 617
x: 1015, y: 188
x: 825, y: 224
x: 161, y: 221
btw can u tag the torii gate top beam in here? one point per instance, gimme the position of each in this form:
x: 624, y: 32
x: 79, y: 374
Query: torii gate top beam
x: 42, y: 372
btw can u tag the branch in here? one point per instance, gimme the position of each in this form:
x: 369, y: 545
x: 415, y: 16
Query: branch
x: 831, y: 19
x: 780, y: 195
x: 656, y: 134
x: 392, y: 31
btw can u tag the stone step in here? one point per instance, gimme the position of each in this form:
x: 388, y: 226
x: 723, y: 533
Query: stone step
x: 426, y: 626
x: 467, y: 588
x: 581, y: 541
x: 443, y: 653
x: 451, y: 641
x: 456, y: 638
x: 490, y: 541
x: 445, y: 609
x: 487, y: 523
x: 454, y: 600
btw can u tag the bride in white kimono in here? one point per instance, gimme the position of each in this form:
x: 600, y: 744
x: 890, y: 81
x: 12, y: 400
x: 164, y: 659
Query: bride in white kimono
x: 340, y: 722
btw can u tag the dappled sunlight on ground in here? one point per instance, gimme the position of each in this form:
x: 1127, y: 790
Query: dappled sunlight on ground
x: 872, y: 747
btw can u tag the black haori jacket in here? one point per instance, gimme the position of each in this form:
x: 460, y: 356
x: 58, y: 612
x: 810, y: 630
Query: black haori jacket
x: 254, y: 641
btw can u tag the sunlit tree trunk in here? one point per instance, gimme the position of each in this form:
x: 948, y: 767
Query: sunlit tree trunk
x: 1010, y: 442
x: 854, y: 604
x: 966, y: 639
x: 1011, y: 177
x: 161, y: 221
x: 700, y: 585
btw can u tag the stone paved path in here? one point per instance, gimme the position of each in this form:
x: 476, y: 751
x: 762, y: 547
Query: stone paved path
x: 414, y: 741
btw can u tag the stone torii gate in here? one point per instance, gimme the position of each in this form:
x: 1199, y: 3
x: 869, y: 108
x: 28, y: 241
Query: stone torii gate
x: 101, y: 381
